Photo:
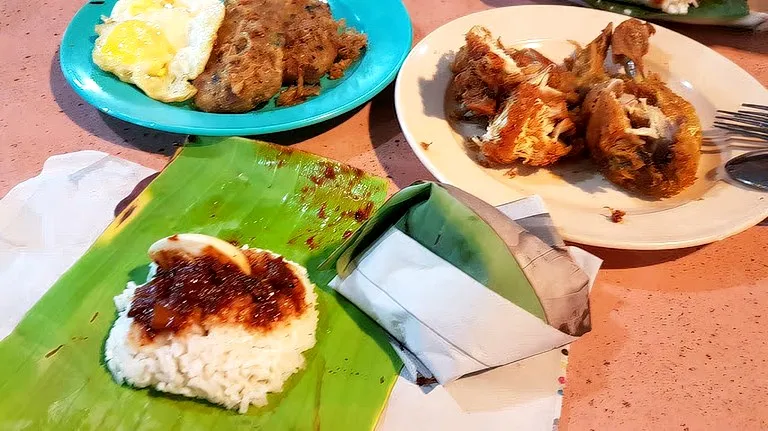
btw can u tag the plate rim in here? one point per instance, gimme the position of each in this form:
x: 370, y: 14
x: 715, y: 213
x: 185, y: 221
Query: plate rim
x: 405, y: 41
x: 586, y: 239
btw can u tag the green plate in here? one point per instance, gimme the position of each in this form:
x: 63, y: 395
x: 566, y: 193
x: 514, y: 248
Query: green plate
x: 52, y: 373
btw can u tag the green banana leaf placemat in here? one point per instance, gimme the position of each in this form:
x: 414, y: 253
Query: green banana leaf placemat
x: 708, y: 11
x: 52, y: 373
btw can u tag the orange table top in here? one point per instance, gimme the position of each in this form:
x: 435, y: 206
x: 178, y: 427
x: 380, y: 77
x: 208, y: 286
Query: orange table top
x: 678, y: 339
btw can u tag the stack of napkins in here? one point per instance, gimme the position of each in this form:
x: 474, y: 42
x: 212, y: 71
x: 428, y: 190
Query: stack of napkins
x: 459, y: 284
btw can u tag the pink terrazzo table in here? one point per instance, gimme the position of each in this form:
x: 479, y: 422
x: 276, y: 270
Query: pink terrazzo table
x: 679, y: 339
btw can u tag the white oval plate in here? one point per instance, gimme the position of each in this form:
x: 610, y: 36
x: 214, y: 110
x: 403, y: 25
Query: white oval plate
x: 576, y: 194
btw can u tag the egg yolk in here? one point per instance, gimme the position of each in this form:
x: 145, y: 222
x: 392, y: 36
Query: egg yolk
x: 135, y: 42
x: 141, y: 6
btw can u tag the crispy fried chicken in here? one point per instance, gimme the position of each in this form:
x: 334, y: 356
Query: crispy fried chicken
x: 529, y: 127
x: 483, y: 73
x: 640, y: 134
x: 588, y: 63
x: 643, y: 137
x: 630, y: 43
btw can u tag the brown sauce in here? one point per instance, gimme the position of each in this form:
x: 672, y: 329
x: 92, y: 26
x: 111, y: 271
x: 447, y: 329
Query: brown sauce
x: 207, y: 292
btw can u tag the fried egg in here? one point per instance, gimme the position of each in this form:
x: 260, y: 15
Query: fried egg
x: 158, y: 45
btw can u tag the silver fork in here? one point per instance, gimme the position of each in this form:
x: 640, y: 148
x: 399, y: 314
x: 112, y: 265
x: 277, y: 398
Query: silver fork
x: 750, y: 168
x: 752, y: 122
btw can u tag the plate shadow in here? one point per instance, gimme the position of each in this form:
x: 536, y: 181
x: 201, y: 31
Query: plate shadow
x: 102, y: 125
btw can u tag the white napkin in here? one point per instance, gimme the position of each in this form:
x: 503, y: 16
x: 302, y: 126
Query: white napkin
x: 49, y: 221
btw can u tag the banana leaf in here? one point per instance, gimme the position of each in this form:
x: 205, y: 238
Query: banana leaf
x: 52, y: 373
x: 708, y: 11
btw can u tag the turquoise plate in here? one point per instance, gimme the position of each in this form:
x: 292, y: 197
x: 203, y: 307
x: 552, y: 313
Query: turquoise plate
x: 386, y: 24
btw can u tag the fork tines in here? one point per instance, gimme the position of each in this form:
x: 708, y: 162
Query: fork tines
x: 751, y: 122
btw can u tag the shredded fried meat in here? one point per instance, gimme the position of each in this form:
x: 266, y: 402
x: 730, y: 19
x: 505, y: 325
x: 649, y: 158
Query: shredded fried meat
x: 263, y: 45
x: 296, y: 94
x: 350, y: 45
x: 309, y: 49
x: 245, y: 66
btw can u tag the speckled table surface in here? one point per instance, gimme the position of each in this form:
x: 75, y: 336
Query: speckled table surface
x: 678, y: 339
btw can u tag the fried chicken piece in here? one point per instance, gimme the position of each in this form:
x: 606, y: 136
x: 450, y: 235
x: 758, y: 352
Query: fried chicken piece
x: 588, y: 63
x: 245, y: 66
x: 490, y: 61
x: 630, y: 43
x: 529, y: 127
x: 588, y: 106
x: 587, y: 70
x: 474, y: 97
x: 534, y: 62
x: 310, y: 48
x: 483, y: 73
x: 644, y: 137
x: 529, y: 57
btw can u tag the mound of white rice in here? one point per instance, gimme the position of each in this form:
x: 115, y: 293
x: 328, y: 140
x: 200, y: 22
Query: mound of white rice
x: 231, y: 365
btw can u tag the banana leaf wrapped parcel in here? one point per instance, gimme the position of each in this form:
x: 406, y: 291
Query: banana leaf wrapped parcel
x: 458, y: 283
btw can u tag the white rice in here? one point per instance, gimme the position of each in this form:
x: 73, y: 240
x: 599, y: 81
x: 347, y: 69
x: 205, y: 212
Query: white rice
x: 231, y: 365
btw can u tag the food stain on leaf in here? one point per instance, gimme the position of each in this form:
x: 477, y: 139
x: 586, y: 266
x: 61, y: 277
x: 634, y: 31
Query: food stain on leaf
x: 125, y: 217
x: 364, y: 213
x: 54, y: 351
x: 330, y: 172
x: 361, y: 214
x: 311, y: 242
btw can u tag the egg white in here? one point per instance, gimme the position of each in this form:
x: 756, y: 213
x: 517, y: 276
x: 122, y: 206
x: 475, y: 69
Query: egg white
x: 190, y: 26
